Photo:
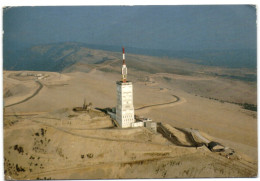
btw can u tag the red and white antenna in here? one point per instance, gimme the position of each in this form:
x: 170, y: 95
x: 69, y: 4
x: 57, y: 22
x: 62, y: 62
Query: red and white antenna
x: 124, y: 68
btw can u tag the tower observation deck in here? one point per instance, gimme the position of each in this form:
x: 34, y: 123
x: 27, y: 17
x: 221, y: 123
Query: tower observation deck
x: 125, y: 106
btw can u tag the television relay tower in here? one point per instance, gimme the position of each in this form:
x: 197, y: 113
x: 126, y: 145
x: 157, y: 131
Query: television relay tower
x: 125, y: 106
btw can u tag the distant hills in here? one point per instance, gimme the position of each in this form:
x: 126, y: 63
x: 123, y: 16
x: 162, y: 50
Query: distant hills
x: 50, y: 57
x: 58, y: 56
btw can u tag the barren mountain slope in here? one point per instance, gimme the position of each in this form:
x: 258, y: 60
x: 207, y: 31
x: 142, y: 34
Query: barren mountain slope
x: 182, y: 94
x: 67, y: 145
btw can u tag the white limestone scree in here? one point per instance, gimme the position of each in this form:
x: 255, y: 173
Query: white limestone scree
x: 125, y: 107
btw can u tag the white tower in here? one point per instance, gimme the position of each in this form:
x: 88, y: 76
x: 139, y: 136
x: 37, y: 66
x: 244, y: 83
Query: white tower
x: 125, y: 107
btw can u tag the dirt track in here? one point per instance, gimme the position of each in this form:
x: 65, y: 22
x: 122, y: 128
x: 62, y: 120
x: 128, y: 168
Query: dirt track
x: 28, y: 98
x: 160, y: 104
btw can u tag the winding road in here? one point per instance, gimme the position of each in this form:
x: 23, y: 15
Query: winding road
x: 160, y: 104
x: 28, y: 98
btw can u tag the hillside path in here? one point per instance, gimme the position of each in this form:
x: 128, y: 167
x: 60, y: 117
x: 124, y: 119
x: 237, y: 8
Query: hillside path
x: 160, y: 104
x: 28, y: 98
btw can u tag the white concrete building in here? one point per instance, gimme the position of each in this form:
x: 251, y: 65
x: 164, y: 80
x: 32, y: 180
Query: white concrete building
x: 125, y: 107
x: 151, y: 125
x: 137, y: 124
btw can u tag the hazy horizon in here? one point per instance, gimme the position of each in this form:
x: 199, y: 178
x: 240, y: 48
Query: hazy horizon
x: 201, y: 27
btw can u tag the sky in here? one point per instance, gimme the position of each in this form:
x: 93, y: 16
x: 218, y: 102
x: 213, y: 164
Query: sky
x: 213, y: 27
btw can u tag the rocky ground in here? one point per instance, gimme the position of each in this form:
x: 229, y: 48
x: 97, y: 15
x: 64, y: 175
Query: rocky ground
x: 68, y: 145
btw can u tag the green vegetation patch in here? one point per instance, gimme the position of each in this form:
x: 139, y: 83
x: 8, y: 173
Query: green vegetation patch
x: 167, y: 78
x: 251, y: 107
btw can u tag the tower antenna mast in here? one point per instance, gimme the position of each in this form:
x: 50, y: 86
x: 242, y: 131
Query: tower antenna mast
x: 124, y: 68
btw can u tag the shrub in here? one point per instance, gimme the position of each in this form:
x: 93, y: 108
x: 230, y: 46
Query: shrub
x: 90, y: 155
x: 251, y: 107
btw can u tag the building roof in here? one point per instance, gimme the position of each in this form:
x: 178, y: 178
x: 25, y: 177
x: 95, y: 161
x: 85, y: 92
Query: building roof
x: 124, y: 83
